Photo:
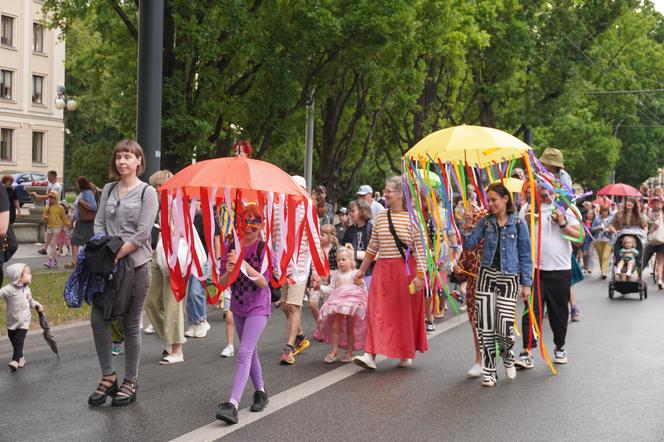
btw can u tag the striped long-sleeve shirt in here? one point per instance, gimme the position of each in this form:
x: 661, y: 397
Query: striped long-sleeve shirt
x: 382, y: 242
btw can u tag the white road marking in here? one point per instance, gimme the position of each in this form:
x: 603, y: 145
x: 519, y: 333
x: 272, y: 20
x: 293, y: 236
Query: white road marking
x: 217, y: 429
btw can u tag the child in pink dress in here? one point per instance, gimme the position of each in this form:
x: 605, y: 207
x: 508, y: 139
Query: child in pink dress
x: 342, y: 320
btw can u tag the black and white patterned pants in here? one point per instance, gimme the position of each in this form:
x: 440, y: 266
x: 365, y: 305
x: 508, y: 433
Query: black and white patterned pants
x: 495, y: 299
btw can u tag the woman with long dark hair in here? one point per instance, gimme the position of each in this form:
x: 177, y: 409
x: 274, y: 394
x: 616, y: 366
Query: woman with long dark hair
x: 505, y: 269
x: 629, y: 215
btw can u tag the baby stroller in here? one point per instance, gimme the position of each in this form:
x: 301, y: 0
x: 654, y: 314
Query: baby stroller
x: 635, y: 283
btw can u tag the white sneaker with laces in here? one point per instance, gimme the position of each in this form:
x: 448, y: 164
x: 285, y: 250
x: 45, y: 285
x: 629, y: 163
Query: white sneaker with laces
x: 228, y: 352
x: 365, y: 361
x: 475, y: 371
x: 149, y: 330
x: 202, y: 329
x: 190, y: 331
x: 488, y: 382
x: 560, y: 357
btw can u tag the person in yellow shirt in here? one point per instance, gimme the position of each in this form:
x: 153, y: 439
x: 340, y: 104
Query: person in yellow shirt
x: 55, y: 219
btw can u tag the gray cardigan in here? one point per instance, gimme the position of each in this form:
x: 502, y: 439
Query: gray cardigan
x: 131, y: 218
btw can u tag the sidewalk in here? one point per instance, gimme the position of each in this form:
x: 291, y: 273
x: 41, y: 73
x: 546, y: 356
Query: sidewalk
x: 27, y: 253
x: 28, y: 250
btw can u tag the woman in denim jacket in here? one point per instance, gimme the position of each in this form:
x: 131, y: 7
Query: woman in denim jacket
x: 506, y: 264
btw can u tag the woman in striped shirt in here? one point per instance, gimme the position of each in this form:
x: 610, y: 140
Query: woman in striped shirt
x: 395, y: 316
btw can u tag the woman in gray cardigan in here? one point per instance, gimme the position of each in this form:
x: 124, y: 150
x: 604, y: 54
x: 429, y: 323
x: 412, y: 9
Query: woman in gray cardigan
x: 127, y: 209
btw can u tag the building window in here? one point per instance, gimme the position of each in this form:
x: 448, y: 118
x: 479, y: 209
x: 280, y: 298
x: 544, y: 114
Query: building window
x: 6, y: 78
x: 6, y: 147
x: 7, y: 30
x: 37, y: 89
x: 38, y: 147
x: 37, y: 38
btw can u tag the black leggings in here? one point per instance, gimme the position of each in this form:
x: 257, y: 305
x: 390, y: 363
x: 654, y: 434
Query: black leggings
x: 17, y: 337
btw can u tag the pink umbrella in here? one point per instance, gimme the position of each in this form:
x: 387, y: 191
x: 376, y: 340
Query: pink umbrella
x: 619, y: 189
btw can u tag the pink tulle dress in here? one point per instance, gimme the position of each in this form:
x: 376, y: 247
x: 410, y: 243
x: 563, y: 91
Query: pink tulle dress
x: 345, y: 298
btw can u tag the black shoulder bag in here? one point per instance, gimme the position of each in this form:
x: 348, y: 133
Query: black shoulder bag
x: 400, y: 245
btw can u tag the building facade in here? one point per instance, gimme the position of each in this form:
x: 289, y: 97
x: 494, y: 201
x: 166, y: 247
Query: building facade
x: 31, y: 66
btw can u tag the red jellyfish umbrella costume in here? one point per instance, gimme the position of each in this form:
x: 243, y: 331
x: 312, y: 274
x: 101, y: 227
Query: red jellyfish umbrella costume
x: 231, y: 183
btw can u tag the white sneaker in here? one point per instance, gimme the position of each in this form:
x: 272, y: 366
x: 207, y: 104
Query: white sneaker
x: 228, y: 352
x: 190, y: 331
x: 149, y: 330
x: 365, y: 361
x: 202, y: 329
x: 405, y: 362
x: 475, y: 371
x: 172, y: 359
x: 488, y: 382
x: 510, y: 372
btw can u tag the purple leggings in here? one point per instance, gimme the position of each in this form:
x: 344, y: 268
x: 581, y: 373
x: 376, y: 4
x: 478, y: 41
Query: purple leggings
x: 249, y: 329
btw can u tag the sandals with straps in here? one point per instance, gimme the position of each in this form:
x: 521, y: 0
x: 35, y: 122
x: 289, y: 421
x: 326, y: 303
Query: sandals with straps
x: 126, y: 394
x: 107, y: 387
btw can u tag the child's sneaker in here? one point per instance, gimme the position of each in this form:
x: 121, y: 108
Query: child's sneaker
x: 430, y: 326
x: 117, y: 349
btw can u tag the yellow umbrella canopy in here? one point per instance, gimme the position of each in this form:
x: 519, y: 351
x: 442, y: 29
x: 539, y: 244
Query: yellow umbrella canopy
x: 473, y: 145
x: 514, y: 185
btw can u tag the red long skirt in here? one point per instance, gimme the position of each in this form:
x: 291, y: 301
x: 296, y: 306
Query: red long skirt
x: 395, y: 318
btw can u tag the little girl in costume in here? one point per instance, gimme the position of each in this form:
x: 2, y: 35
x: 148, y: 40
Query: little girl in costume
x: 19, y: 300
x: 628, y: 254
x: 342, y: 320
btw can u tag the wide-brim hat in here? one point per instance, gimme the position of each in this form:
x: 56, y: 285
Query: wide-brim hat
x: 552, y: 157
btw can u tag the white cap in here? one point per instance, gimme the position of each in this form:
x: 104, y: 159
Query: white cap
x: 364, y: 189
x: 300, y: 181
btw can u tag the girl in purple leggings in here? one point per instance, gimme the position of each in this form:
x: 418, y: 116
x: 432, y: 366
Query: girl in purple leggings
x: 250, y: 304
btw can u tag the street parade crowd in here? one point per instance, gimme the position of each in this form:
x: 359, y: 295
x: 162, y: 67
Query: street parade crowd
x: 376, y: 275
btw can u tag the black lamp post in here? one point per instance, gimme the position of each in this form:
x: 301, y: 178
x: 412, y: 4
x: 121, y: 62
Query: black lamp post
x: 66, y: 104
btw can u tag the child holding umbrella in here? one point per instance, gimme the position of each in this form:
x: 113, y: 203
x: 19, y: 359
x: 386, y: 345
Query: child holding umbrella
x: 19, y: 300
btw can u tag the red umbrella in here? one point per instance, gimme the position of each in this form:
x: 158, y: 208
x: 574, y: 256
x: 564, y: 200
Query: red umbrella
x: 231, y: 183
x: 619, y: 189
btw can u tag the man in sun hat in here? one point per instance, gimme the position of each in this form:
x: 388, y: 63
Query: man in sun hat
x: 365, y: 192
x: 552, y: 159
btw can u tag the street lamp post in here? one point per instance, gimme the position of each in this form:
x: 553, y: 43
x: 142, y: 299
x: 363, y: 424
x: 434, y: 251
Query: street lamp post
x: 66, y: 104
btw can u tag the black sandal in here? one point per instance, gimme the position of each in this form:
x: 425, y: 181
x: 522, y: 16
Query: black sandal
x: 106, y: 388
x: 126, y: 394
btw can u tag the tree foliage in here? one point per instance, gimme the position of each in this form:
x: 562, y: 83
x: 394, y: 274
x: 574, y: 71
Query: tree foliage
x: 382, y: 75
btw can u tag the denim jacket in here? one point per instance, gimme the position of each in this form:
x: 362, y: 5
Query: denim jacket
x: 515, y: 253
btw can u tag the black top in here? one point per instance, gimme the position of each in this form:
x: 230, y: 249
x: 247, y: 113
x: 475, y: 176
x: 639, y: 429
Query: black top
x: 359, y: 237
x: 496, y: 256
x: 198, y: 224
x: 7, y: 203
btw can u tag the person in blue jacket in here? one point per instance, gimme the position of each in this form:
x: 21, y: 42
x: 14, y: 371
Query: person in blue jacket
x: 505, y: 271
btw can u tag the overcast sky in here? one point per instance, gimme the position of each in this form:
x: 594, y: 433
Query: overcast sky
x: 659, y: 5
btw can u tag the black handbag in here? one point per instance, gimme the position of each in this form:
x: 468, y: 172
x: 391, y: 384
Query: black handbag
x: 9, y: 245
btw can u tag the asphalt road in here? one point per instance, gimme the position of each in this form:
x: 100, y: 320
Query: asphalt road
x: 612, y: 388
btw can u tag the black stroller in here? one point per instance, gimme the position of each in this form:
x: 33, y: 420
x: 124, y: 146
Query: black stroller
x: 634, y: 283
